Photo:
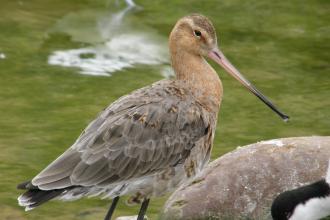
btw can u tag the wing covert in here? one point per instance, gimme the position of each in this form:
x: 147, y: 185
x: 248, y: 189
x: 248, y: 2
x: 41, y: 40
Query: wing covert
x: 139, y: 134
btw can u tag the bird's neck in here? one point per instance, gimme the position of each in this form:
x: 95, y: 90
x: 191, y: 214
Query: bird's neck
x: 199, y: 75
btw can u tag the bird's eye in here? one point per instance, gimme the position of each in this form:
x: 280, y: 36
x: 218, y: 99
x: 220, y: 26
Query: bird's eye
x: 197, y: 33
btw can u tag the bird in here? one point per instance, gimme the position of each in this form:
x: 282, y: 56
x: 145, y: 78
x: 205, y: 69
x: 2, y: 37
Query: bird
x: 149, y: 142
x: 309, y: 202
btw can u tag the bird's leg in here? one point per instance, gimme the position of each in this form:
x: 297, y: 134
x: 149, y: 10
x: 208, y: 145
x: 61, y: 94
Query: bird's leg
x: 143, y: 209
x: 112, y: 208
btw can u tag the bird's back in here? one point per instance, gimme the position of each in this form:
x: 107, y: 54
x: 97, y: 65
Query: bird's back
x: 309, y: 202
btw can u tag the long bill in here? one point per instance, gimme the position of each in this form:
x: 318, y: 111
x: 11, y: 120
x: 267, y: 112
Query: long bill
x: 220, y: 58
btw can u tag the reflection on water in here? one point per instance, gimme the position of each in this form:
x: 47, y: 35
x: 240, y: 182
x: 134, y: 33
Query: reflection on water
x: 2, y: 56
x: 130, y: 2
x: 120, y: 52
x: 114, y: 22
x: 120, y: 45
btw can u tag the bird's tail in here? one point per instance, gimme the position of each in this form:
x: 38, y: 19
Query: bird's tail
x: 34, y: 196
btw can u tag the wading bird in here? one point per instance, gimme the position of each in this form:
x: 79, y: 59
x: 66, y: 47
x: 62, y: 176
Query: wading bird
x: 310, y: 202
x: 147, y: 143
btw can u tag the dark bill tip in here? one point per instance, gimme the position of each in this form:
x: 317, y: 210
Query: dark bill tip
x: 220, y: 58
x: 270, y: 104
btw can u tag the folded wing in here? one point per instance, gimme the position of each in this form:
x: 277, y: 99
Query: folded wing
x: 142, y: 133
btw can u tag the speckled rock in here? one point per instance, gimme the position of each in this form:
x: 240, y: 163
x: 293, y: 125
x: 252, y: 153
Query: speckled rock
x: 243, y: 183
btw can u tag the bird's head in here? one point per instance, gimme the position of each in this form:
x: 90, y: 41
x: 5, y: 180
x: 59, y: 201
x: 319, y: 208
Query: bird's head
x: 196, y: 35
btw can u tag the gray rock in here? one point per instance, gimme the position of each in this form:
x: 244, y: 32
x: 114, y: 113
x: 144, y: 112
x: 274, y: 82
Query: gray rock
x: 243, y: 183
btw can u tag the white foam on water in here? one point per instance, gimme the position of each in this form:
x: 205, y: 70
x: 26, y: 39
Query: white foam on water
x: 130, y: 3
x: 2, y: 56
x: 120, y: 52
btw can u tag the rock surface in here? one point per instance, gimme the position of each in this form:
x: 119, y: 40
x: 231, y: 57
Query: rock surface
x: 243, y: 183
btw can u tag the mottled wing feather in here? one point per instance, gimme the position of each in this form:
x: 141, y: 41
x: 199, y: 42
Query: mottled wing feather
x: 140, y: 134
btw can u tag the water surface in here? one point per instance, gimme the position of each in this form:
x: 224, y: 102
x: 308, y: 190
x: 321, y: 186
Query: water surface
x: 61, y: 62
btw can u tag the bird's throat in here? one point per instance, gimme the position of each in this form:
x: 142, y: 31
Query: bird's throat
x: 194, y: 70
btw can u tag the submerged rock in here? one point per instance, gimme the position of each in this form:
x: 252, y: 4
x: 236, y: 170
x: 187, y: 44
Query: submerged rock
x: 243, y: 183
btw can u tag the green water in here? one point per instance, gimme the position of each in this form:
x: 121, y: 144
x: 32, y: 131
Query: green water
x: 281, y: 46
